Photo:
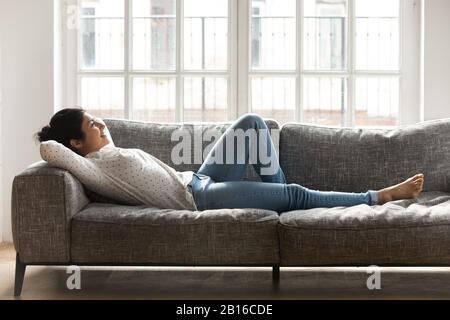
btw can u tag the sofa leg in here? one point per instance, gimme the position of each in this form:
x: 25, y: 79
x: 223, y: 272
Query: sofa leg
x: 20, y: 273
x: 275, y: 275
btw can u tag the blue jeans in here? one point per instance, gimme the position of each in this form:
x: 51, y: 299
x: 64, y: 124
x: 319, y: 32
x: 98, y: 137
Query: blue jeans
x: 218, y: 185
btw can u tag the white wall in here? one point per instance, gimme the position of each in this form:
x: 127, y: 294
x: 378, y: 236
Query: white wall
x: 436, y: 59
x: 1, y: 147
x: 27, y: 80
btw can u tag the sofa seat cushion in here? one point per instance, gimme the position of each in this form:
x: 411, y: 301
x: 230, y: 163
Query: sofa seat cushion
x: 402, y: 232
x: 109, y: 233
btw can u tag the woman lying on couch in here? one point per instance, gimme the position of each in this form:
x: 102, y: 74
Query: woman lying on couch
x: 80, y: 143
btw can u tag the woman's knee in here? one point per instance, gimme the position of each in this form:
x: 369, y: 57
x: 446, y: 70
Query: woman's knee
x: 298, y: 196
x: 297, y: 189
x: 248, y: 120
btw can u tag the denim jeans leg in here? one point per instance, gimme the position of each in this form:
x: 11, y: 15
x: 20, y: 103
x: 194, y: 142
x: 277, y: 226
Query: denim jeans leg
x: 331, y: 199
x: 224, y: 171
x: 278, y: 197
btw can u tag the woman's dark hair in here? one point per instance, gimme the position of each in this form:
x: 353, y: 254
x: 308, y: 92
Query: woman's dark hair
x: 64, y: 126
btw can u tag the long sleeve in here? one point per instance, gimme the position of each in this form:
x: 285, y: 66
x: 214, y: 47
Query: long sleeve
x: 128, y: 175
x: 58, y: 155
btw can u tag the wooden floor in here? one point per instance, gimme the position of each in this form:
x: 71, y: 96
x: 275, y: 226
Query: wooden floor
x: 222, y: 283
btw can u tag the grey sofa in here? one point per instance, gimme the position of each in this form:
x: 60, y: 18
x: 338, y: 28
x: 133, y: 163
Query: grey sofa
x: 56, y: 221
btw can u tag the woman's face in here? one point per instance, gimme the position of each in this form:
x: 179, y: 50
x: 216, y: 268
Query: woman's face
x: 96, y: 135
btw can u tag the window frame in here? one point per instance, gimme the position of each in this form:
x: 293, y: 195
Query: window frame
x: 239, y: 71
x: 74, y: 73
x: 406, y: 39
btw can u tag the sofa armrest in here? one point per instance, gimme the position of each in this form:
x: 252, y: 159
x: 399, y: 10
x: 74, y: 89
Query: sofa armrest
x: 43, y: 201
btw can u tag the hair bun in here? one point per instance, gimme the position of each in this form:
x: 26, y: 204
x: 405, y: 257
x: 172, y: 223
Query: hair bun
x: 45, y: 134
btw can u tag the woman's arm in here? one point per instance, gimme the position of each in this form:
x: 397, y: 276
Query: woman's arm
x: 58, y: 155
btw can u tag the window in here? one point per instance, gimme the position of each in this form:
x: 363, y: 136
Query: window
x: 327, y: 62
x: 152, y: 60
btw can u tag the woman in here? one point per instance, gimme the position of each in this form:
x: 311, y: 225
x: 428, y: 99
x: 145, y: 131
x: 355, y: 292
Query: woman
x: 81, y: 144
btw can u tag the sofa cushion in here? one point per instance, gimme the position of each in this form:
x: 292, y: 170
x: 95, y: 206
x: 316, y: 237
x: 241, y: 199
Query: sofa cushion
x: 356, y: 159
x: 402, y: 232
x: 155, y: 138
x: 107, y: 233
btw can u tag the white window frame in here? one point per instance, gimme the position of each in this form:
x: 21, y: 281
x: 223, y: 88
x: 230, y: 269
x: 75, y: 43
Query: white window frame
x: 74, y: 72
x: 239, y: 71
x: 409, y: 79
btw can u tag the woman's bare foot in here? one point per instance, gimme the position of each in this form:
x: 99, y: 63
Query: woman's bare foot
x: 408, y: 189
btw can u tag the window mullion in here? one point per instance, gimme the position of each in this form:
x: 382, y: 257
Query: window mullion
x: 70, y: 49
x: 350, y: 116
x: 243, y: 60
x: 232, y: 60
x: 179, y: 115
x: 400, y: 119
x: 299, y: 67
x: 410, y: 91
x: 127, y: 60
x: 78, y: 48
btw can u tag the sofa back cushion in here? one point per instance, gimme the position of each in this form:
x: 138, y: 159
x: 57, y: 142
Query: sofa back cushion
x: 155, y: 138
x: 357, y: 159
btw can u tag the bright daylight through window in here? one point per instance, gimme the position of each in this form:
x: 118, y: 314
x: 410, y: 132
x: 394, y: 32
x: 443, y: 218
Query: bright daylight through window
x: 328, y: 62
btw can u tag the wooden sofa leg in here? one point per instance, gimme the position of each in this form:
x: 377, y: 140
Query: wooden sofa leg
x: 275, y: 274
x: 20, y: 273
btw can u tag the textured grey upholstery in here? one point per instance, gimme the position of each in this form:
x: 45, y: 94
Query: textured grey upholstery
x: 44, y: 200
x: 355, y: 160
x: 155, y: 138
x: 402, y: 232
x: 107, y: 233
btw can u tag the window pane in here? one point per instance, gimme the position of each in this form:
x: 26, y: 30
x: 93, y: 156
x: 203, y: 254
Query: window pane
x: 102, y: 43
x: 377, y: 8
x: 103, y: 8
x: 205, y: 99
x: 324, y: 100
x: 206, y: 35
x: 154, y: 99
x: 377, y: 35
x: 325, y: 35
x: 274, y: 98
x: 101, y: 38
x: 103, y: 97
x: 377, y: 101
x: 145, y: 8
x: 154, y: 35
x: 154, y: 43
x: 273, y: 35
x: 205, y: 8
